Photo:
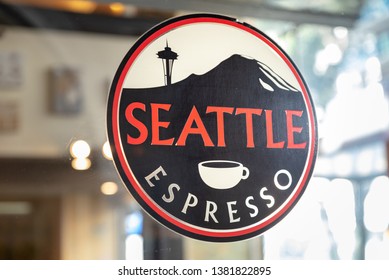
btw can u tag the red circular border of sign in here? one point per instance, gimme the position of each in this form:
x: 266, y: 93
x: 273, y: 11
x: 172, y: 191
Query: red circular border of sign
x: 133, y: 180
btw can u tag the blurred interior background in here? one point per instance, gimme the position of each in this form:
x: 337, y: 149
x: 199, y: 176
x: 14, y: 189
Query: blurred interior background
x: 60, y: 195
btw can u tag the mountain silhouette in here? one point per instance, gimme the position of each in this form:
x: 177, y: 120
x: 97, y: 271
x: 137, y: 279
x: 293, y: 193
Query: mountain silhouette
x: 244, y: 73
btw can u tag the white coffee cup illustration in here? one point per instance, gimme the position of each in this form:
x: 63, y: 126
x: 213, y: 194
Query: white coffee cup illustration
x: 222, y: 174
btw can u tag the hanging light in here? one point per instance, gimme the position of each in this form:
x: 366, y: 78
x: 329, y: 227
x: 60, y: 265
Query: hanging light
x: 80, y: 151
x: 107, y: 153
x: 81, y: 163
x: 109, y: 188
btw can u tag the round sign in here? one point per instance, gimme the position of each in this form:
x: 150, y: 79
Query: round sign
x: 212, y: 127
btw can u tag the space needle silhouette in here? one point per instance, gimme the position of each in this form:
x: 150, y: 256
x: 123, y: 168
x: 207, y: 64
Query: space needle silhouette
x: 168, y: 57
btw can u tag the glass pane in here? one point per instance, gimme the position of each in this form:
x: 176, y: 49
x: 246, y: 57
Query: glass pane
x: 60, y: 194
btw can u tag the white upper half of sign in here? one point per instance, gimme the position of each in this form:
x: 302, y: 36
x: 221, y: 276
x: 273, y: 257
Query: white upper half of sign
x: 200, y: 48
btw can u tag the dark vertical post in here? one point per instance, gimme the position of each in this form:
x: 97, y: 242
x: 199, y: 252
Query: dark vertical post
x: 360, y: 190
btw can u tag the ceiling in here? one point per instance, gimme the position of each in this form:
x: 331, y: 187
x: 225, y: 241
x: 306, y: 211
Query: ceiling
x: 134, y: 17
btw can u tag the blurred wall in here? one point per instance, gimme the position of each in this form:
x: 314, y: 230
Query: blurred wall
x: 39, y: 132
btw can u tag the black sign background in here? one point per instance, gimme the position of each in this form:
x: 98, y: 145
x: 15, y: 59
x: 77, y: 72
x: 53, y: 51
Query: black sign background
x: 284, y: 140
